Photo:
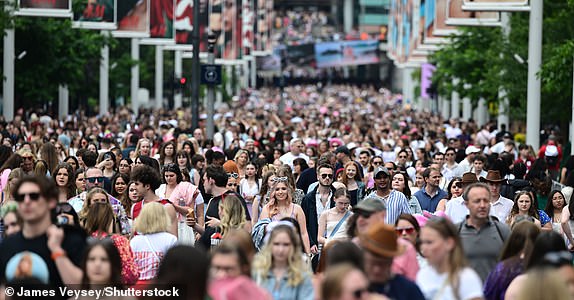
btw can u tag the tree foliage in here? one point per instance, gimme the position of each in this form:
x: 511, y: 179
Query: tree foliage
x: 485, y: 61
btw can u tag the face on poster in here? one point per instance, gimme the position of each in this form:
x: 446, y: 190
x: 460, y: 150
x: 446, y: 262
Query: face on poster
x: 45, y: 8
x: 161, y: 19
x: 133, y: 18
x: 457, y: 16
x: 95, y: 14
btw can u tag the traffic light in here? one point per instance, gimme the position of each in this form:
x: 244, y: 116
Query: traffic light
x: 182, y: 82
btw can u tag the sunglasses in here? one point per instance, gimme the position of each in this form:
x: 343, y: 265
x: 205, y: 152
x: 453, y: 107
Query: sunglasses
x: 233, y: 175
x: 94, y: 179
x: 402, y: 156
x: 64, y: 209
x: 408, y: 230
x: 359, y: 293
x: 364, y: 214
x: 27, y: 158
x: 33, y: 197
x: 325, y: 176
x: 377, y: 163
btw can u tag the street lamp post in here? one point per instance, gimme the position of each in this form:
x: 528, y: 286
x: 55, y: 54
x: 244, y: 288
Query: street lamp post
x: 195, y: 68
x: 211, y: 40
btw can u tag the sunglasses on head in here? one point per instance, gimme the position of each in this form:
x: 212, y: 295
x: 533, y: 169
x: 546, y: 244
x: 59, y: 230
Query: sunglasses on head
x: 325, y: 176
x: 94, y: 179
x: 408, y: 230
x: 64, y: 209
x: 33, y: 196
x: 27, y: 158
x: 364, y: 214
x: 233, y: 175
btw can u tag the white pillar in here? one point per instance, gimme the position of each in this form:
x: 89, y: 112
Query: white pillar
x: 158, y: 76
x: 63, y: 102
x: 455, y: 106
x: 135, y: 76
x: 104, y: 79
x: 8, y: 84
x: 253, y: 72
x: 503, y: 103
x: 177, y: 98
x: 466, y: 109
x: 534, y: 62
x: 445, y: 109
x: 482, y: 112
x: 348, y: 13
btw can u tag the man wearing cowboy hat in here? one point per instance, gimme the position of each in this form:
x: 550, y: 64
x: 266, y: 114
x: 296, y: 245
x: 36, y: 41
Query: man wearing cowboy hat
x: 455, y: 208
x: 381, y: 247
x: 500, y: 207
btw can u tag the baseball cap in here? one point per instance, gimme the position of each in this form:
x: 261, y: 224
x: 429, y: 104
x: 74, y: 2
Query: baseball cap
x: 381, y: 170
x: 370, y: 204
x: 471, y: 149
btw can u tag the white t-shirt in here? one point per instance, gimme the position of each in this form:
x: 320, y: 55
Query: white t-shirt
x: 432, y: 284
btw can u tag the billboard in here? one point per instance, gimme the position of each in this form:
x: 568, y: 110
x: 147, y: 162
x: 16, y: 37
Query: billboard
x: 496, y: 5
x: 45, y: 8
x: 95, y: 14
x: 161, y: 21
x: 247, y: 22
x: 455, y: 15
x: 346, y: 53
x: 133, y: 18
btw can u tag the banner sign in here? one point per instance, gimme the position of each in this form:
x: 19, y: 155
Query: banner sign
x: 45, y: 8
x: 496, y: 5
x: 133, y: 19
x: 98, y: 14
x: 162, y: 29
x: 347, y: 53
x: 455, y: 15
x: 427, y: 71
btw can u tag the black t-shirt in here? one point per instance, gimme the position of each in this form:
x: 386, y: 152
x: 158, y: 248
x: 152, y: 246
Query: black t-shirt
x: 16, y: 246
x: 213, y: 206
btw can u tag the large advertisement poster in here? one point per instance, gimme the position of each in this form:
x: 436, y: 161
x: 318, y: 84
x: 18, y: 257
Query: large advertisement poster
x: 455, y: 15
x: 161, y: 21
x: 183, y: 25
x: 346, y: 53
x: 45, y: 8
x: 95, y: 14
x: 229, y: 29
x: 247, y: 22
x: 133, y: 18
x: 496, y: 5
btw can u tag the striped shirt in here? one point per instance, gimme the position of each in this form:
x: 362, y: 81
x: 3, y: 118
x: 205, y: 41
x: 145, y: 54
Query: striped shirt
x: 396, y: 203
x: 149, y: 250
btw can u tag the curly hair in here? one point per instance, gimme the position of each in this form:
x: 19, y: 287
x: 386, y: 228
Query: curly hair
x: 233, y: 213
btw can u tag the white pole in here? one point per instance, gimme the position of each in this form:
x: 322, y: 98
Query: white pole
x: 104, y: 79
x: 253, y: 72
x: 177, y: 98
x: 63, y: 103
x: 8, y: 84
x: 135, y: 75
x: 466, y: 109
x: 534, y: 62
x: 503, y: 104
x: 158, y: 76
x: 445, y: 109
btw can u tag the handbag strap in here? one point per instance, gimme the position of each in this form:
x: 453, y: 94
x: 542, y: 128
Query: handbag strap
x: 339, y: 224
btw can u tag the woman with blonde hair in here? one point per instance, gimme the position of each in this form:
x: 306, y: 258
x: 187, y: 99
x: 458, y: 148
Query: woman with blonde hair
x: 352, y: 180
x: 447, y: 276
x: 232, y: 216
x: 281, y: 206
x: 143, y: 147
x: 13, y: 177
x: 262, y: 199
x: 152, y: 241
x: 279, y: 267
x: 241, y: 159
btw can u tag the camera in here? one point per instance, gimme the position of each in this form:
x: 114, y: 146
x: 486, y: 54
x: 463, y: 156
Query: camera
x: 63, y: 220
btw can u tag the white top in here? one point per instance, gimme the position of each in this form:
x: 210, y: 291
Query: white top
x: 249, y: 189
x: 456, y: 209
x: 435, y: 285
x: 149, y: 250
x: 501, y: 208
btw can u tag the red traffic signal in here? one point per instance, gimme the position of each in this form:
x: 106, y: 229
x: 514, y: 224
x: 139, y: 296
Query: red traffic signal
x: 182, y: 81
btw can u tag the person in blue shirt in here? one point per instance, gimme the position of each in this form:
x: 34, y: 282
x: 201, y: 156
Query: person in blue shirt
x: 431, y: 194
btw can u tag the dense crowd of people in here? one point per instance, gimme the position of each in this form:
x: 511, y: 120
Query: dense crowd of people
x: 347, y: 194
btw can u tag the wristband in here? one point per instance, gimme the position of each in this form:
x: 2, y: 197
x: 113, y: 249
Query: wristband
x: 57, y: 254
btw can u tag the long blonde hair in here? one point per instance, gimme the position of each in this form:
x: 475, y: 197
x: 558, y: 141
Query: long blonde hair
x: 273, y: 205
x: 296, y: 269
x: 544, y: 283
x: 233, y: 214
x: 456, y: 259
